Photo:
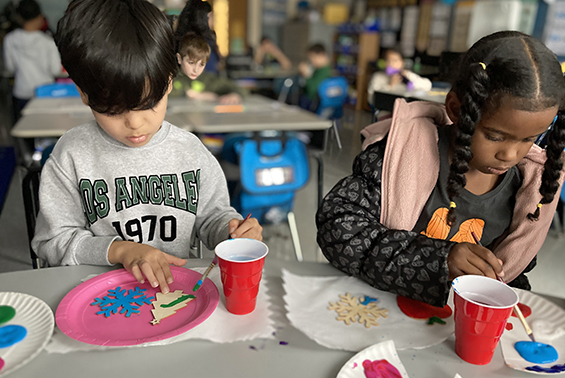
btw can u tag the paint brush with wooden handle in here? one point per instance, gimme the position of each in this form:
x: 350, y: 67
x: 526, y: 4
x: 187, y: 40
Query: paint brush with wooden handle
x: 517, y: 310
x: 201, y: 280
x: 212, y: 265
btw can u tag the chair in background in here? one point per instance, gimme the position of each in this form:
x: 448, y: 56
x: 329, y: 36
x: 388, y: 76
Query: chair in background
x: 57, y: 90
x: 287, y: 84
x: 272, y: 168
x: 332, y: 93
x: 30, y: 191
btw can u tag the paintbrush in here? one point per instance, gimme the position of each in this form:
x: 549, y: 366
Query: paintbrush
x: 212, y: 265
x: 201, y: 280
x: 517, y: 310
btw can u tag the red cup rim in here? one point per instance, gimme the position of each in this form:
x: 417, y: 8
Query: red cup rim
x: 500, y: 307
x: 246, y: 261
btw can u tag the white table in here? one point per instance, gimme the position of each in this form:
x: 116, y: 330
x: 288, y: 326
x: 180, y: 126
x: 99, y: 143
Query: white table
x: 48, y: 117
x: 263, y: 74
x: 53, y: 125
x: 301, y: 358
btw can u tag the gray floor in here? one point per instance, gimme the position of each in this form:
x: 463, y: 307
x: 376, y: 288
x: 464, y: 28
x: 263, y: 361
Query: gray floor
x: 548, y: 277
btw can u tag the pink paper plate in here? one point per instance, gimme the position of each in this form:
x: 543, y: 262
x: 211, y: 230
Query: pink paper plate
x: 77, y: 319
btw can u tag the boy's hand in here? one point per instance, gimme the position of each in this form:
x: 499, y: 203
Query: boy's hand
x: 249, y: 228
x: 304, y: 69
x: 467, y: 258
x: 143, y: 260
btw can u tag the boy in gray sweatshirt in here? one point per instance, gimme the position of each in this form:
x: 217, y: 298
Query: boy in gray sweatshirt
x: 129, y: 187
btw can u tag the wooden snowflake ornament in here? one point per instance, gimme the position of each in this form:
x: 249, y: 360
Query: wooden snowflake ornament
x: 351, y: 310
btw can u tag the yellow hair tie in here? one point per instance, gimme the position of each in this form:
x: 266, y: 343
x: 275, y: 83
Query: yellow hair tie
x: 483, y: 65
x: 452, y: 205
x: 539, y: 205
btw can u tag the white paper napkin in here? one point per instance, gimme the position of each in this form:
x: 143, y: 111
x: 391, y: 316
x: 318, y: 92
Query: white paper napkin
x: 307, y: 300
x: 220, y: 327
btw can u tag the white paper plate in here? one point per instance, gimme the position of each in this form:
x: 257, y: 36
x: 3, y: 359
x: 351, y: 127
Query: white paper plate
x: 307, y: 299
x: 381, y: 351
x: 547, y: 322
x: 36, y: 316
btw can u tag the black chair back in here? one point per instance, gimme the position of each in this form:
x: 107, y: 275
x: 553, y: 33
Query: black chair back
x: 30, y: 191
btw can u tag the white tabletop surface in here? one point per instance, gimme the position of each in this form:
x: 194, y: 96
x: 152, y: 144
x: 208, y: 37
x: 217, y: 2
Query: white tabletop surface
x: 265, y: 73
x: 56, y: 105
x: 52, y: 117
x: 47, y: 125
x: 302, y: 357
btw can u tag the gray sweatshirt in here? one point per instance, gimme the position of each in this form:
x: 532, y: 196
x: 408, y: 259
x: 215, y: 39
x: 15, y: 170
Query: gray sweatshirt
x: 95, y: 190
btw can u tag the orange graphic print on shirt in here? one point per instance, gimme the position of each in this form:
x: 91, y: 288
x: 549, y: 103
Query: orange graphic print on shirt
x: 439, y: 229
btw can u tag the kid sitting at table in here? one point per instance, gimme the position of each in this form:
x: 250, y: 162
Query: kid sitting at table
x: 129, y: 187
x: 432, y: 176
x: 396, y: 77
x: 192, y: 81
x: 314, y: 72
x: 30, y: 54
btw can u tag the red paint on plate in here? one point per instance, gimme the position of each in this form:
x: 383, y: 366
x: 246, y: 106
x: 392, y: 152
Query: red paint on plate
x: 526, y: 310
x: 509, y: 326
x: 420, y: 310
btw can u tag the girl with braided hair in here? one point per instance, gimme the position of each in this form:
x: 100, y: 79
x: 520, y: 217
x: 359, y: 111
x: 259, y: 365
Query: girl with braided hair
x: 433, y: 177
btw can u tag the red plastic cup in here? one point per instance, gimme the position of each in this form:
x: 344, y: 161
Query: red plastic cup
x: 482, y: 308
x: 241, y: 265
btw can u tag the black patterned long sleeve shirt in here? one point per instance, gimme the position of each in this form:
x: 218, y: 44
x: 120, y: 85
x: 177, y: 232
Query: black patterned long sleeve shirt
x: 353, y: 239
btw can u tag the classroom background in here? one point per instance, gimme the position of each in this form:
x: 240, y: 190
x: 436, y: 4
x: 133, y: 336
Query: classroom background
x: 430, y: 34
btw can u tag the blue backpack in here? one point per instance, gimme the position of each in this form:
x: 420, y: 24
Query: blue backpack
x: 271, y: 170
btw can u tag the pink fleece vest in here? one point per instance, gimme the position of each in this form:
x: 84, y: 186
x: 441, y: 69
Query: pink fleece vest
x: 410, y: 172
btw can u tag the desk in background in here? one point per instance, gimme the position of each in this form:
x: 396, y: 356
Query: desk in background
x: 383, y: 100
x: 48, y: 117
x: 302, y: 357
x: 265, y: 74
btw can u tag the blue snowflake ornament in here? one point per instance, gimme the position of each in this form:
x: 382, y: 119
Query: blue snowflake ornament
x: 129, y: 301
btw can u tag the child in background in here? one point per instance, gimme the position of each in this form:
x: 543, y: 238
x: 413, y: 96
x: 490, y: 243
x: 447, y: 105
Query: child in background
x: 403, y: 221
x: 197, y: 17
x: 192, y: 56
x: 129, y: 187
x: 268, y: 54
x: 30, y: 54
x: 396, y: 77
x: 317, y: 71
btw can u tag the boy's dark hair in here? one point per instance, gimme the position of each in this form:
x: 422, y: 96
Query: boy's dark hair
x: 195, y: 47
x: 28, y: 10
x: 120, y: 53
x: 523, y: 70
x: 317, y: 48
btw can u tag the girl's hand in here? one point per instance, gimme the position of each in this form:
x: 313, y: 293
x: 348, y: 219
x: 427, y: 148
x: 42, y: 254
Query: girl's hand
x: 467, y: 258
x: 249, y: 228
x: 143, y: 260
x: 395, y: 80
